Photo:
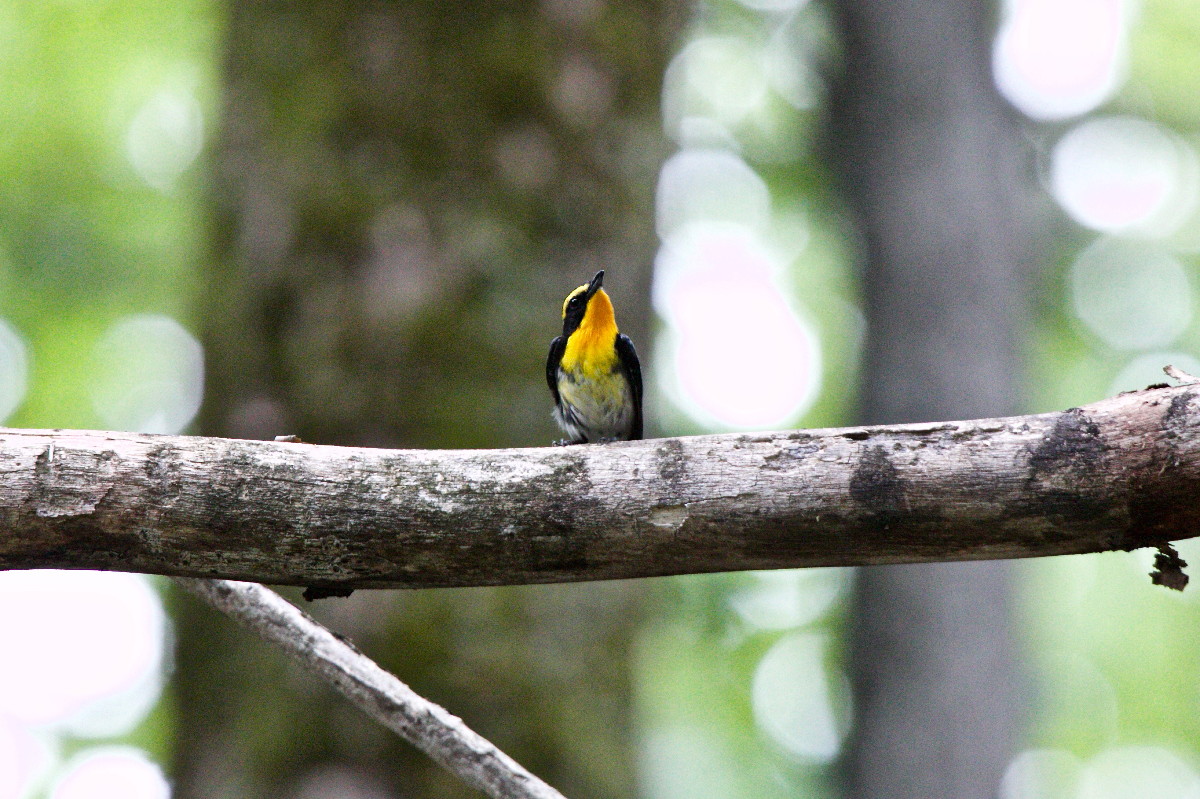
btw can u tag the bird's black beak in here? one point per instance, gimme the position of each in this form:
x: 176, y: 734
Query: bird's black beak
x: 596, y: 283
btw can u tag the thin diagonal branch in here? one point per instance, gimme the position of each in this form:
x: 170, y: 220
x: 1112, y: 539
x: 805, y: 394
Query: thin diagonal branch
x: 430, y: 727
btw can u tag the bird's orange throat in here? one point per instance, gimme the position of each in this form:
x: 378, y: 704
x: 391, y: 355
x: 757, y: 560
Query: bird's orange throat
x: 591, y: 347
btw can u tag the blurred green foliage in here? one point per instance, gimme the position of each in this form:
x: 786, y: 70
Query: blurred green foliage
x: 83, y: 238
x: 1164, y: 62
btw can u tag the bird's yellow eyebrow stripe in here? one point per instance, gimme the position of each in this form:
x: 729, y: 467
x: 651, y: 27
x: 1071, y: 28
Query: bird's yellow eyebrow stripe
x: 571, y: 296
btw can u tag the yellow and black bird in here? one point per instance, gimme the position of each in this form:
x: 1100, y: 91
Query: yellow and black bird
x: 593, y: 371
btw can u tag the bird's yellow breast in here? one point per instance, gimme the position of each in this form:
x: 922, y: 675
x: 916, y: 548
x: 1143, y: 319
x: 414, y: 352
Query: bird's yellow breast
x: 591, y: 349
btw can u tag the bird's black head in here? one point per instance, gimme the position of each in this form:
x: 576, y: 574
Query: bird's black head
x: 576, y: 305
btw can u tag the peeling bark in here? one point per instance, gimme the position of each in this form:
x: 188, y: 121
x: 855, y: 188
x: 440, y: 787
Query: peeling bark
x: 1119, y: 474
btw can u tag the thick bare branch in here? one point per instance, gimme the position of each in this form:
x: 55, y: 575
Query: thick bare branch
x: 430, y: 727
x: 1118, y: 474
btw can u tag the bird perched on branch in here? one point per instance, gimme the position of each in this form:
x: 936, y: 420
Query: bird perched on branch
x: 593, y: 371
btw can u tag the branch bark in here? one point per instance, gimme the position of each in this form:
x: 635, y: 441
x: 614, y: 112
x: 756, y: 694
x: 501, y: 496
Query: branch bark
x: 428, y: 726
x: 1118, y: 474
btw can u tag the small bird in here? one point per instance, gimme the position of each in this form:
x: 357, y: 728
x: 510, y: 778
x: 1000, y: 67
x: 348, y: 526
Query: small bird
x: 593, y: 371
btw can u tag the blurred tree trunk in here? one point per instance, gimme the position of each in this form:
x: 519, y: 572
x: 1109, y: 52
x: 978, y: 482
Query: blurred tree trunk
x: 403, y: 194
x: 934, y: 166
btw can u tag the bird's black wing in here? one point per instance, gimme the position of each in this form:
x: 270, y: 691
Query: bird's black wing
x: 632, y: 368
x: 557, y: 348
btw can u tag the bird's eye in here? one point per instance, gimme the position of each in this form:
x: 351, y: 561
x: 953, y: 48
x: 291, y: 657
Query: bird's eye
x: 574, y: 303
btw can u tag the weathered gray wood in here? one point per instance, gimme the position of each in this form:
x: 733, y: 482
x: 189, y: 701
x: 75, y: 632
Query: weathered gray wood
x: 1118, y: 474
x: 428, y: 726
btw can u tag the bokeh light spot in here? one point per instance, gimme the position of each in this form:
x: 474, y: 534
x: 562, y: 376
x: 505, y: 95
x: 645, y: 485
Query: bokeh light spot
x: 795, y: 701
x: 1055, y: 59
x: 22, y: 759
x: 1119, y: 173
x: 14, y: 370
x: 789, y: 65
x: 724, y: 77
x: 164, y: 138
x: 151, y: 375
x: 1132, y: 296
x: 709, y: 186
x: 743, y: 358
x: 786, y: 598
x: 112, y: 773
x: 75, y: 639
x: 685, y: 761
x: 1040, y: 774
x: 1129, y: 771
x: 582, y: 92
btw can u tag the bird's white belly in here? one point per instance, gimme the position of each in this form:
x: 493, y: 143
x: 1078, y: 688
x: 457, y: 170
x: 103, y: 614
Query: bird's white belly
x: 594, y: 409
